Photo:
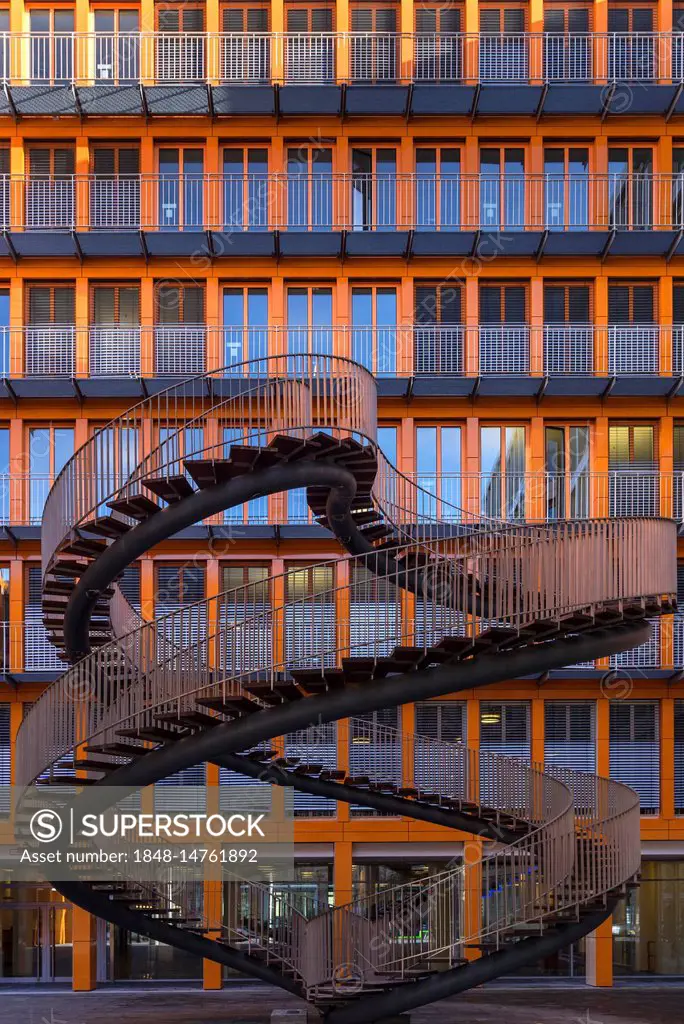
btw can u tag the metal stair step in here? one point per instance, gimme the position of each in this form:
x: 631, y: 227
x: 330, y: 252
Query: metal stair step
x: 107, y: 526
x: 171, y: 489
x: 136, y: 506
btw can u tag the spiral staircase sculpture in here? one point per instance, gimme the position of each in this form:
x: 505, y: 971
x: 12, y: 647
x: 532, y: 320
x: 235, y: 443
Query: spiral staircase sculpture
x: 482, y: 602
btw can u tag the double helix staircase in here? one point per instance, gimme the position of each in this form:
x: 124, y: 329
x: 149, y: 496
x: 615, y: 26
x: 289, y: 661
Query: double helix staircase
x: 481, y: 602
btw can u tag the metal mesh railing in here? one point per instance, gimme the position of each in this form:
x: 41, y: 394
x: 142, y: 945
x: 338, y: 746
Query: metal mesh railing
x: 149, y: 58
x: 425, y: 201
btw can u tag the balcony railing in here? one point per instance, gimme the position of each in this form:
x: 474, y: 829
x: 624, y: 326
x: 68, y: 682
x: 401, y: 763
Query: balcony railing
x: 354, y: 57
x: 550, y: 497
x: 324, y: 201
x: 26, y: 647
x: 393, y: 350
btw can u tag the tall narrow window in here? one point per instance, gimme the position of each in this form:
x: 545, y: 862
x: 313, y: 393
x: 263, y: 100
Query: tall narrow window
x: 438, y: 188
x: 374, y: 42
x: 40, y: 655
x: 310, y: 43
x: 438, y: 43
x: 633, y: 332
x: 570, y: 735
x: 504, y: 333
x: 374, y: 329
x: 310, y: 623
x: 635, y: 749
x: 502, y: 472
x: 502, y: 188
x: 180, y: 43
x: 566, y: 188
x: 679, y: 755
x: 245, y: 329
x: 5, y: 365
x: 181, y: 189
x: 117, y: 45
x: 568, y: 50
x: 374, y: 189
x: 438, y: 329
x: 439, y: 750
x: 245, y: 189
x: 115, y: 188
x: 246, y: 644
x: 245, y: 44
x: 375, y: 749
x: 50, y: 333
x: 503, y: 48
x: 567, y: 472
x: 256, y: 510
x: 310, y: 196
x: 180, y: 334
x: 309, y: 322
x: 51, y: 46
x: 115, y: 330
x: 568, y: 330
x: 630, y: 187
x: 438, y: 465
x: 50, y: 188
x: 504, y: 729
x: 632, y: 45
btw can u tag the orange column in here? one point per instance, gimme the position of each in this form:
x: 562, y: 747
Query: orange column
x: 19, y: 473
x: 471, y: 463
x: 471, y: 348
x: 212, y: 973
x: 601, y: 460
x: 405, y: 334
x: 666, y: 465
x: 600, y: 26
x: 408, y: 729
x: 665, y: 315
x: 342, y: 24
x: 537, y: 326
x: 599, y: 954
x: 603, y: 737
x: 472, y: 908
x: 536, y: 460
x: 17, y: 293
x: 664, y: 25
x: 667, y: 755
x: 214, y: 354
x: 472, y: 27
x: 601, y: 324
x: 342, y: 873
x: 17, y: 172
x: 536, y: 49
x: 537, y: 723
x: 213, y: 22
x: 277, y: 46
x: 147, y: 42
x: 84, y: 944
x: 406, y: 28
x: 16, y: 614
x: 82, y: 317
x: 147, y: 326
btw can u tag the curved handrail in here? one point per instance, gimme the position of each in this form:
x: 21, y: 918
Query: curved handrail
x: 581, y: 838
x: 531, y: 575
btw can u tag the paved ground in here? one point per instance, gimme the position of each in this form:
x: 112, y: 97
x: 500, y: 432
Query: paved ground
x: 496, y: 1004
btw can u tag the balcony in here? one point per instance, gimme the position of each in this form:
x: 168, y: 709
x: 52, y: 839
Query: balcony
x: 124, y: 59
x: 559, y: 352
x: 320, y: 203
x: 550, y: 497
x: 25, y: 647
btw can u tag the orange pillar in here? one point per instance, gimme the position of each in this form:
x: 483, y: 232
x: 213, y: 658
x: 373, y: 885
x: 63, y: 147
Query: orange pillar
x: 342, y: 873
x: 84, y: 944
x: 599, y: 954
x: 667, y: 755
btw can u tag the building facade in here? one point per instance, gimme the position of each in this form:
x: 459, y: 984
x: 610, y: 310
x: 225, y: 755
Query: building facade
x: 481, y: 203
